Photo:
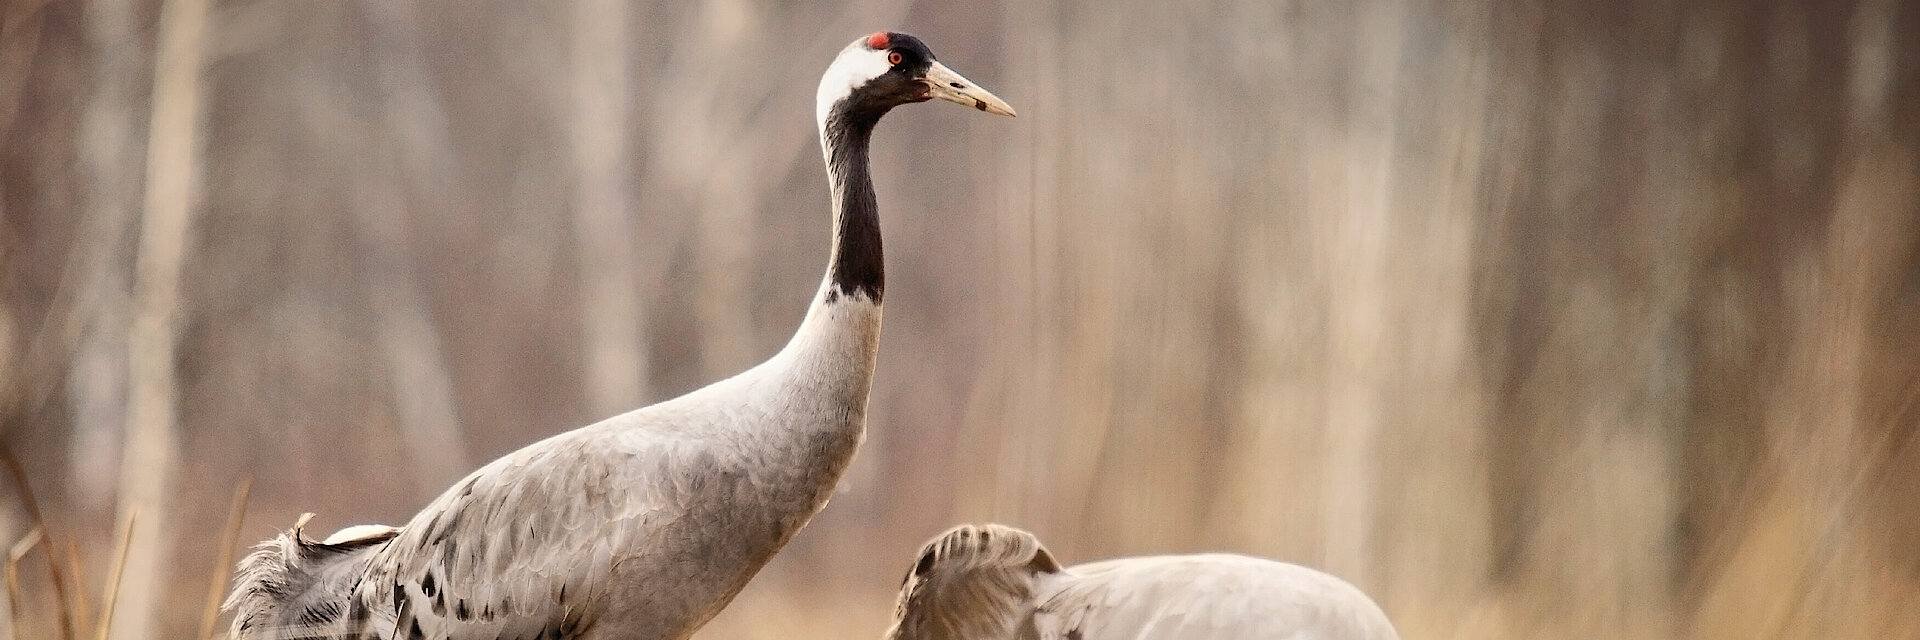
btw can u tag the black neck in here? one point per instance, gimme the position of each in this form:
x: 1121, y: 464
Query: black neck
x: 856, y: 265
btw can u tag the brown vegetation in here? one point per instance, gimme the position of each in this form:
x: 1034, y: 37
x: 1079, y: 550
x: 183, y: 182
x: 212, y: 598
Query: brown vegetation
x: 1585, y: 319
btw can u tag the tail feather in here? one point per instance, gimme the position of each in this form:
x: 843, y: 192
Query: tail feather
x: 290, y: 586
x: 974, y: 581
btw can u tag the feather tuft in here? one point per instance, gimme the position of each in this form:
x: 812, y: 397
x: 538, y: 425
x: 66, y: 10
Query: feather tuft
x: 974, y: 581
x: 292, y: 586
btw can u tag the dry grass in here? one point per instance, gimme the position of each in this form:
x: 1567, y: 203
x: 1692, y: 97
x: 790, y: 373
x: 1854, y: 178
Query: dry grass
x: 112, y: 597
x: 35, y: 537
x: 222, y: 573
x: 19, y: 550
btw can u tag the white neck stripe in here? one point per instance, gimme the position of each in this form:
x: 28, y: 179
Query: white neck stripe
x: 853, y: 68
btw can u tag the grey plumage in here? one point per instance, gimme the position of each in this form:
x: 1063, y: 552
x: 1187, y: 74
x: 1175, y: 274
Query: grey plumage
x: 641, y: 526
x: 644, y: 525
x: 289, y: 582
x: 992, y: 582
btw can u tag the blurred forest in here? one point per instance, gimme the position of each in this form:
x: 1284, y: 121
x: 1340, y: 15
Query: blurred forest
x: 1586, y: 319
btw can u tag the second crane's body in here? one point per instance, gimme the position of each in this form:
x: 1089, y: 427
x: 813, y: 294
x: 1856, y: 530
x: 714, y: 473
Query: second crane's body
x: 644, y: 525
x: 993, y: 582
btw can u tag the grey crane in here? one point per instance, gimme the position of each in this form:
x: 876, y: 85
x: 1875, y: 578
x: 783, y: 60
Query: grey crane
x: 993, y: 582
x: 646, y: 524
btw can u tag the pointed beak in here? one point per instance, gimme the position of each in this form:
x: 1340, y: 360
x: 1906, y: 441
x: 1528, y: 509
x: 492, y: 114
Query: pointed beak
x: 950, y: 86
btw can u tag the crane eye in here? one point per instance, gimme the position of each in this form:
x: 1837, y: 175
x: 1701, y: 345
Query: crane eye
x: 894, y: 57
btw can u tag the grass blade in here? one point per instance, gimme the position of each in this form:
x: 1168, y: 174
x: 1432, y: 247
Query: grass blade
x: 113, y: 577
x: 82, y: 610
x: 222, y: 564
x: 14, y: 601
x: 40, y: 525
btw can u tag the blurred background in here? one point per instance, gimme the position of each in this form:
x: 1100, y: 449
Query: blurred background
x: 1536, y: 320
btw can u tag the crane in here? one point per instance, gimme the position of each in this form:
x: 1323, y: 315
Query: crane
x: 645, y: 524
x: 994, y: 582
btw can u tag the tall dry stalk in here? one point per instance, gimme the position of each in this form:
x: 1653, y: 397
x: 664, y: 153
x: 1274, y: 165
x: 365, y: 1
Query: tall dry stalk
x: 149, y: 457
x: 82, y: 608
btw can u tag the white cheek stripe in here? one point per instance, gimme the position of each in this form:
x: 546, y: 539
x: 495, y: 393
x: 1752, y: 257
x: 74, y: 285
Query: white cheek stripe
x: 855, y: 66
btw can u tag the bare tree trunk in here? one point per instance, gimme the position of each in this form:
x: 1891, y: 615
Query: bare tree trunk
x: 1811, y: 548
x: 1432, y: 506
x: 97, y: 379
x: 702, y: 109
x: 1358, y: 320
x: 172, y: 165
x: 694, y: 115
x: 1024, y: 372
x: 29, y: 378
x: 21, y: 38
x: 419, y: 155
x: 613, y: 322
x: 417, y: 371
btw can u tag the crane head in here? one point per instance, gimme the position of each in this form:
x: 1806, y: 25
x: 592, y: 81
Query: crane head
x: 886, y: 69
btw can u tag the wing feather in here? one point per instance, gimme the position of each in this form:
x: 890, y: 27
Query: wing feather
x: 523, y: 546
